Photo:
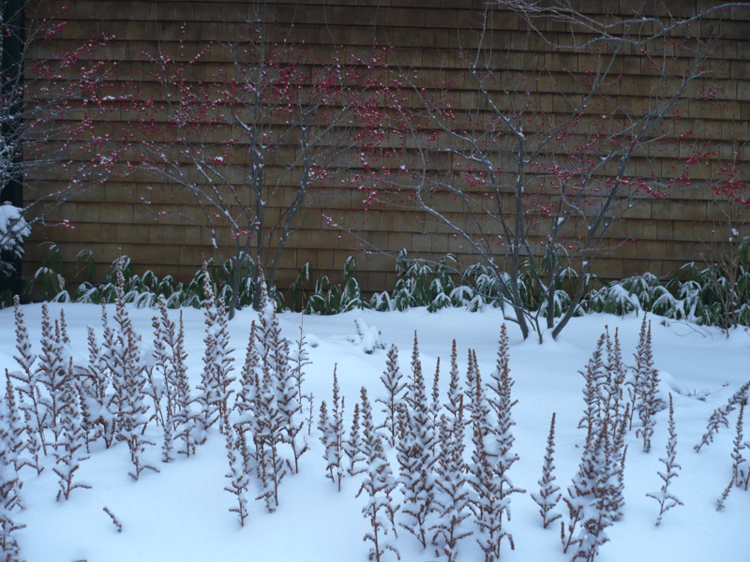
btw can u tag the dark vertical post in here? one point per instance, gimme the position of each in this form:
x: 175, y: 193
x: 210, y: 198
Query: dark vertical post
x: 12, y: 40
x: 11, y: 116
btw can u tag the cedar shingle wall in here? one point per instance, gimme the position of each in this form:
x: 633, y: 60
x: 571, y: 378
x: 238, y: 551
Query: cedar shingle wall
x: 666, y: 233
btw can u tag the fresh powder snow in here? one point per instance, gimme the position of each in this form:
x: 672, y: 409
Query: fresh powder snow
x: 182, y: 512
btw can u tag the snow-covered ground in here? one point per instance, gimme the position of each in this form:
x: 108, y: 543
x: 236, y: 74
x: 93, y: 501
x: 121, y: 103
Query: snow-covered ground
x: 182, y: 512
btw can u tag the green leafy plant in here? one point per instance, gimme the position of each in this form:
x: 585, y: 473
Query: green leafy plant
x: 301, y: 288
x: 49, y: 275
x: 717, y: 295
x: 327, y: 298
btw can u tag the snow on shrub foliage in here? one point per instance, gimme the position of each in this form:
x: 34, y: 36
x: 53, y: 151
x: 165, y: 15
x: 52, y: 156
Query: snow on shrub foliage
x: 13, y: 231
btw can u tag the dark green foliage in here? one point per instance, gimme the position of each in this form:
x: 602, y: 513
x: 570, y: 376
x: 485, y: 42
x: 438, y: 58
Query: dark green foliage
x: 49, y: 275
x: 718, y: 295
x: 144, y: 290
x: 327, y: 298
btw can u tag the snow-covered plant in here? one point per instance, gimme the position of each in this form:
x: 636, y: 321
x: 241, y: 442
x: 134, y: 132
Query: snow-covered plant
x: 452, y: 493
x: 719, y: 415
x: 368, y: 337
x: 416, y: 456
x: 332, y: 435
x: 413, y: 285
x: 485, y: 501
x: 326, y: 298
x: 183, y: 419
x: 239, y: 480
x: 71, y: 439
x: 246, y: 399
x: 159, y: 370
x: 394, y: 388
x: 604, y: 396
x: 51, y: 371
x: 381, y: 302
x: 351, y: 296
x: 121, y: 349
x: 455, y: 396
x: 548, y: 495
x: 420, y: 285
x: 168, y: 357
x: 608, y: 488
x: 378, y: 485
x: 25, y: 357
x: 624, y: 296
x: 213, y: 391
x: 408, y: 456
x: 614, y: 299
x: 595, y: 498
x: 93, y: 382
x: 310, y: 397
x: 739, y: 471
x: 276, y: 403
x: 435, y: 405
x: 167, y: 448
x: 470, y: 392
x: 288, y: 391
x: 137, y: 447
x: 115, y: 521
x: 501, y: 404
x: 327, y: 439
x: 493, y: 456
x: 560, y: 303
x: 443, y: 288
x: 337, y: 430
x: 9, y: 502
x: 268, y: 437
x: 618, y: 423
x: 13, y: 231
x: 666, y: 304
x: 665, y: 498
x: 11, y: 461
x: 299, y: 361
x: 353, y: 445
x: 12, y: 429
x: 587, y: 500
x: 647, y: 288
x: 617, y: 455
x: 34, y: 411
x: 644, y: 364
x: 615, y: 381
x: 247, y: 403
x: 648, y: 401
x: 32, y: 446
x: 483, y: 498
x: 595, y: 379
x: 690, y: 299
x: 369, y: 432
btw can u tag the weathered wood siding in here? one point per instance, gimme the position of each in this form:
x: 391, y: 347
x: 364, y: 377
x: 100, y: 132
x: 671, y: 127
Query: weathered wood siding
x: 664, y: 233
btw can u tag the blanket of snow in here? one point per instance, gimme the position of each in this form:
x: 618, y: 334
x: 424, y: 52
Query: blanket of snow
x: 182, y: 513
